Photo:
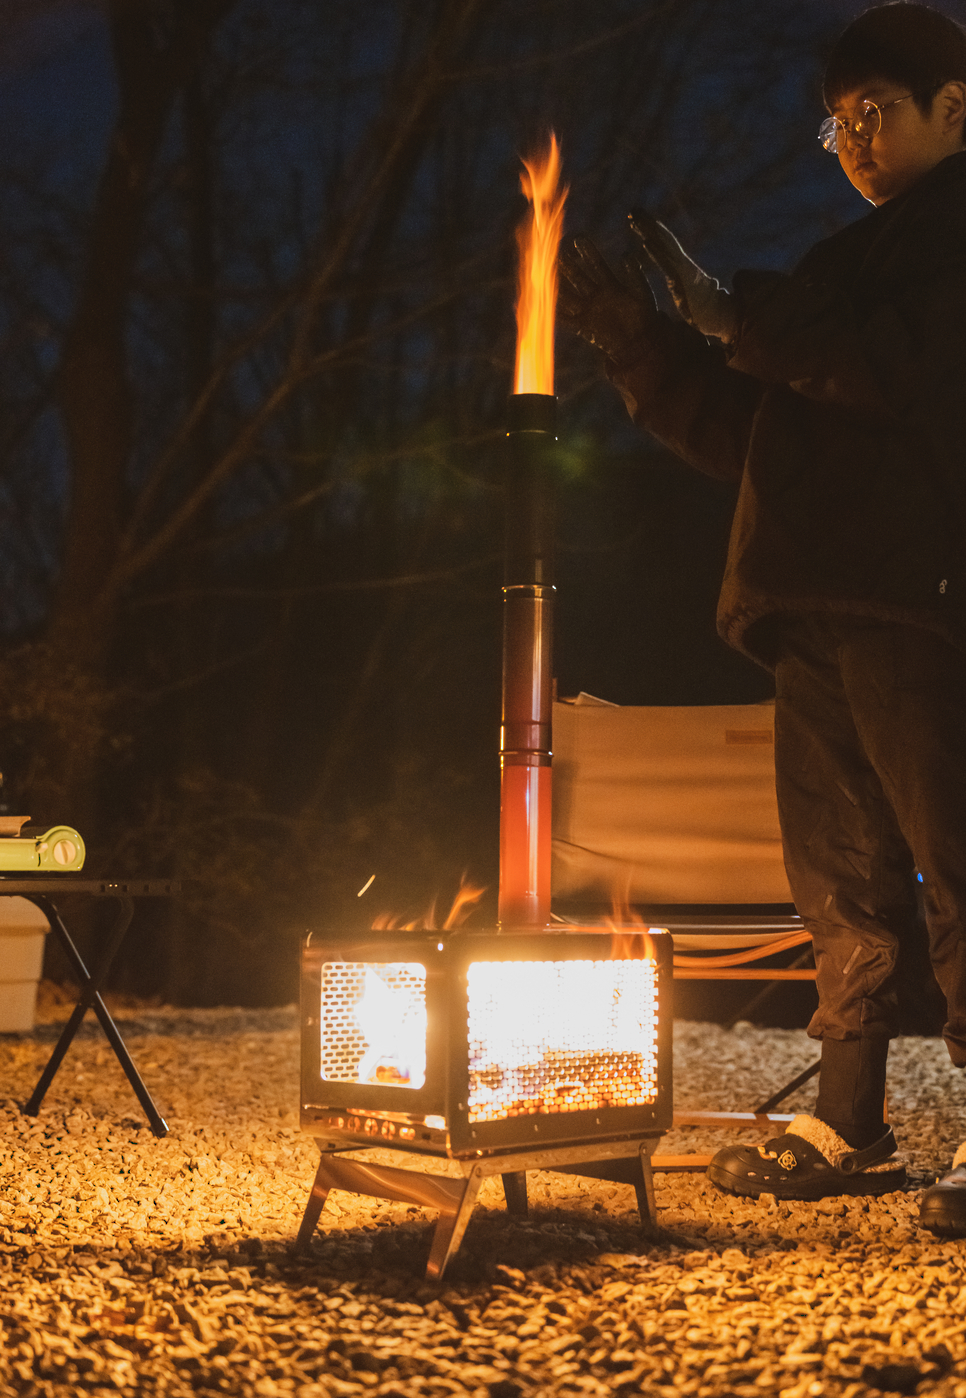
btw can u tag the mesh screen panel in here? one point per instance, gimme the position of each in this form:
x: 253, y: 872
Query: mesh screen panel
x: 560, y: 1036
x: 373, y: 1022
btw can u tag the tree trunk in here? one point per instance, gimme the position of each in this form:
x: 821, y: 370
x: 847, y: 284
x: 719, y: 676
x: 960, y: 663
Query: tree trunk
x: 153, y: 49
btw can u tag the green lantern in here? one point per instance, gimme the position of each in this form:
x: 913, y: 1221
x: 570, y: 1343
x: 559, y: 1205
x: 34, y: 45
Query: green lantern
x: 59, y: 850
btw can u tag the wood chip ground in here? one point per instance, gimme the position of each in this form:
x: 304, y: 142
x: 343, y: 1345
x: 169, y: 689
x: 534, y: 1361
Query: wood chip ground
x: 131, y: 1265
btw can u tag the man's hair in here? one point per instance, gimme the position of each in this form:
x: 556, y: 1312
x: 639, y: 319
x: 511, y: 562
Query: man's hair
x: 912, y: 45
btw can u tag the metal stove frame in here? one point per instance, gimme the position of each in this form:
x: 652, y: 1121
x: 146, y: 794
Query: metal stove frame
x: 612, y: 1143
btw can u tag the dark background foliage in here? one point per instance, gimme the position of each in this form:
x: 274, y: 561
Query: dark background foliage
x: 256, y: 336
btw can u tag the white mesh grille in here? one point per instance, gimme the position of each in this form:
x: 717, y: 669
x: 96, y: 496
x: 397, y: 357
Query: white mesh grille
x: 373, y: 1022
x: 561, y: 1036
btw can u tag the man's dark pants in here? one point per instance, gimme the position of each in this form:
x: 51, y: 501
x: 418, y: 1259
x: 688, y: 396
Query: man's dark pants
x: 870, y: 756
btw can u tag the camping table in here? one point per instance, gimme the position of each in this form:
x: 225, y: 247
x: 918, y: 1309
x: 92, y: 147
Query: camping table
x: 43, y: 889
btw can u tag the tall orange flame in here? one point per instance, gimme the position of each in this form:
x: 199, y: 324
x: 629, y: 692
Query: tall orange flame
x: 538, y: 238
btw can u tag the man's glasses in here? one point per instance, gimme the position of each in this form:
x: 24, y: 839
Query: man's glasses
x: 834, y: 132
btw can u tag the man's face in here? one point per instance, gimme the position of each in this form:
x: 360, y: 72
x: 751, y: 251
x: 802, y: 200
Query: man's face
x: 907, y: 144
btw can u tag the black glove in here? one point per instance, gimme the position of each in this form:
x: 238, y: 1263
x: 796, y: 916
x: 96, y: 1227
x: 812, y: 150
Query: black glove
x: 616, y: 317
x: 702, y: 302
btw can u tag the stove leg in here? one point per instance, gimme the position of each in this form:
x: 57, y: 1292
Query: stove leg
x: 313, y: 1209
x: 644, y: 1189
x: 451, y: 1227
x: 515, y: 1191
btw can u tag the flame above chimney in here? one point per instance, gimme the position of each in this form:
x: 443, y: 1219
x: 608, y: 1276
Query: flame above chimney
x: 538, y: 237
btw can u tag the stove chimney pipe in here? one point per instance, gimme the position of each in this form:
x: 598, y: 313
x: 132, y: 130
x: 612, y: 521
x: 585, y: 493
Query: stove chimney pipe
x: 528, y: 594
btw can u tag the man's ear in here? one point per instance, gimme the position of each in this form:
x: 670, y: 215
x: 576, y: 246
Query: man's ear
x: 952, y: 100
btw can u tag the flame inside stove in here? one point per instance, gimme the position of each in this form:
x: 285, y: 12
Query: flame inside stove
x: 538, y: 238
x: 394, y: 1024
x: 567, y: 1036
x: 373, y: 1023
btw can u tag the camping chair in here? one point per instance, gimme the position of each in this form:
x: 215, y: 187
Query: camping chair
x: 672, y: 811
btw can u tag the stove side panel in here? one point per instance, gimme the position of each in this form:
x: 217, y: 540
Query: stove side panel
x: 581, y: 1050
x: 318, y: 1090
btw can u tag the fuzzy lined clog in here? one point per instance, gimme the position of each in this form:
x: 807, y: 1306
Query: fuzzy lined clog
x: 811, y: 1161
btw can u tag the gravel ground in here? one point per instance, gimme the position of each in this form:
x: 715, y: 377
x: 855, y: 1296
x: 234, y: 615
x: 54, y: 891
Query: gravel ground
x: 136, y: 1266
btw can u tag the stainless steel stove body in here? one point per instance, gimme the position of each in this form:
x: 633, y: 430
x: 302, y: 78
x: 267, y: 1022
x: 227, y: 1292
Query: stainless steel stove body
x: 499, y: 1052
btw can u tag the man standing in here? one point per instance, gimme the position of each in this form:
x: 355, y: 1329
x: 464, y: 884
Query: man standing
x: 837, y: 397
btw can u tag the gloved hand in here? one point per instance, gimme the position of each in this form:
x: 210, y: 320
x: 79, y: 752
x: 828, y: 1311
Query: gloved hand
x: 702, y: 301
x: 593, y: 302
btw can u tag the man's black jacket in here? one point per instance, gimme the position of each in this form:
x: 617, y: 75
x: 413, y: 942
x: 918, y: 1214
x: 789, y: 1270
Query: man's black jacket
x: 841, y: 408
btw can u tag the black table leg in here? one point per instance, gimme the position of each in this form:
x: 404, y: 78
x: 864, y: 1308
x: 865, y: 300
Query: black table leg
x: 91, y: 999
x: 778, y: 1097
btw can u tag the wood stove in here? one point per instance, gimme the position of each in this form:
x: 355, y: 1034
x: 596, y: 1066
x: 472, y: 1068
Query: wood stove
x: 525, y: 1049
x: 500, y: 1053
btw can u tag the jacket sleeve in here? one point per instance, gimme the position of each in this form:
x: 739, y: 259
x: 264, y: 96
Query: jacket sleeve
x: 888, y: 352
x: 682, y: 391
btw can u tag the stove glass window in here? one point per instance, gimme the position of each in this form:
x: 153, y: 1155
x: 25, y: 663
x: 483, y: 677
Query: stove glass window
x: 561, y: 1036
x: 374, y: 1022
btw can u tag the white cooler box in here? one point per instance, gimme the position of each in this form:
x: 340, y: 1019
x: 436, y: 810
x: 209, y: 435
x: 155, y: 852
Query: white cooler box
x: 22, y: 931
